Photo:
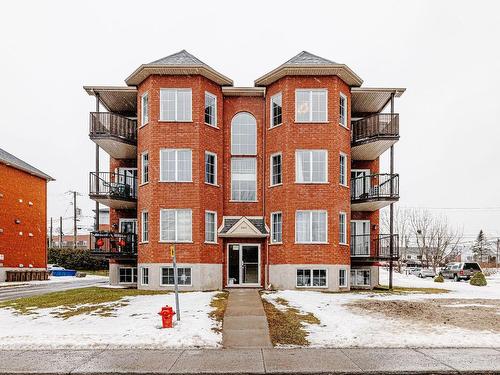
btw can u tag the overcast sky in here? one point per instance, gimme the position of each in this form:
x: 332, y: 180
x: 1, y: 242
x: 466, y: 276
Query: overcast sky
x: 446, y: 53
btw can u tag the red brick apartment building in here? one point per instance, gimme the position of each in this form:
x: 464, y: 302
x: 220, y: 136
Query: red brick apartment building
x: 273, y: 185
x: 23, y: 215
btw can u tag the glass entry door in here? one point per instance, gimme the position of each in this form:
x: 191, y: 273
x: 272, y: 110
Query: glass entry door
x: 243, y: 264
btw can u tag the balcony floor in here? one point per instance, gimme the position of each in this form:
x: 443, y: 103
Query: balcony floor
x: 372, y: 204
x: 116, y: 203
x: 116, y: 147
x: 372, y: 148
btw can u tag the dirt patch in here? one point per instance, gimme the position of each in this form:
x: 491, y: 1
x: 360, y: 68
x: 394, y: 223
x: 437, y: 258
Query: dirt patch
x: 219, y: 304
x: 473, y: 314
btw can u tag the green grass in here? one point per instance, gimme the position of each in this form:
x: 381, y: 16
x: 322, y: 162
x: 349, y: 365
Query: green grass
x: 96, y: 272
x: 94, y: 300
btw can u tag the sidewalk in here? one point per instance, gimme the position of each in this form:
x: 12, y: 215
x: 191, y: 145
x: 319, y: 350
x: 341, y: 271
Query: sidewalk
x: 253, y: 361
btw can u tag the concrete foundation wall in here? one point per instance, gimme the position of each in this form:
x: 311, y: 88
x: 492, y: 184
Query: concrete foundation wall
x: 374, y: 276
x: 3, y: 271
x: 284, y: 276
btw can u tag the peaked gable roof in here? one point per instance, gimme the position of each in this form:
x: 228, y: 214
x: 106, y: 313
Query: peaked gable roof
x: 14, y: 162
x: 178, y: 63
x: 305, y: 63
x: 243, y: 227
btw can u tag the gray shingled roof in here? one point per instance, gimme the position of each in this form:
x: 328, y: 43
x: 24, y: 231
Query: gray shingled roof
x: 258, y: 223
x: 306, y: 58
x: 17, y: 163
x: 180, y: 58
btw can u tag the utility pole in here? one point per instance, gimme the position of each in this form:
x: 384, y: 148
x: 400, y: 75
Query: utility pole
x: 50, y: 236
x: 75, y: 229
x: 391, y: 212
x: 60, y: 232
x: 97, y: 109
x: 176, y: 284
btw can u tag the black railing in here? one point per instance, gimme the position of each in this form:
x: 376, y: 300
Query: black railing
x: 111, y: 124
x: 375, y: 186
x: 104, y: 242
x: 377, y: 125
x: 377, y: 247
x: 113, y: 185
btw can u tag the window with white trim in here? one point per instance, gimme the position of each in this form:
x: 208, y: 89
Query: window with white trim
x: 276, y: 227
x: 144, y: 226
x: 210, y: 226
x: 311, y: 105
x: 144, y: 167
x: 311, y: 226
x: 276, y: 169
x: 176, y: 105
x: 127, y: 275
x: 144, y: 275
x: 243, y: 134
x: 175, y: 165
x: 311, y: 166
x: 175, y: 225
x: 210, y: 109
x: 210, y: 168
x: 276, y: 110
x: 343, y: 110
x: 342, y: 278
x: 360, y: 277
x: 144, y: 109
x: 312, y: 278
x: 343, y: 228
x: 183, y: 276
x: 244, y: 179
x: 343, y: 169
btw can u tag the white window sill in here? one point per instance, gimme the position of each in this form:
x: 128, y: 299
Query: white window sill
x: 143, y: 125
x: 312, y: 183
x: 233, y: 201
x: 280, y: 184
x: 312, y: 243
x: 344, y: 126
x: 210, y: 243
x: 275, y: 243
x: 212, y: 126
x: 345, y: 186
x: 175, y: 242
x: 143, y: 183
x: 275, y: 126
x: 176, y: 182
x: 343, y: 244
x: 143, y: 242
x: 311, y: 122
x: 214, y: 185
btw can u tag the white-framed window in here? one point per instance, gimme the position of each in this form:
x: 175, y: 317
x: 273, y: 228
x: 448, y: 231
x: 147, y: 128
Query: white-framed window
x: 144, y: 226
x: 175, y: 165
x: 311, y: 166
x: 276, y: 227
x: 144, y: 276
x: 342, y: 278
x: 210, y: 109
x: 144, y: 109
x: 144, y: 167
x: 176, y: 105
x: 312, y: 278
x: 276, y: 110
x: 176, y: 225
x: 343, y: 169
x: 343, y: 110
x: 244, y: 179
x: 360, y: 277
x: 210, y: 168
x: 276, y: 169
x: 311, y: 105
x: 183, y: 276
x: 343, y: 228
x: 210, y: 226
x: 127, y: 275
x: 311, y: 226
x: 243, y: 134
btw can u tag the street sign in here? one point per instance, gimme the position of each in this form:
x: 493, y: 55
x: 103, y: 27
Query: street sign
x: 172, y: 251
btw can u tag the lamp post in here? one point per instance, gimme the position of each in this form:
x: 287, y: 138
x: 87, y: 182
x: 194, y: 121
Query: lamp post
x: 176, y: 284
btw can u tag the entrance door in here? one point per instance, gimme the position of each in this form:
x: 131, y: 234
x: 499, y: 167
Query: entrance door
x: 360, y: 182
x: 243, y: 264
x: 360, y: 237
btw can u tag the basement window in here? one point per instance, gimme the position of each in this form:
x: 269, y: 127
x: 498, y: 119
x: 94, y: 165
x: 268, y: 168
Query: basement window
x: 311, y: 278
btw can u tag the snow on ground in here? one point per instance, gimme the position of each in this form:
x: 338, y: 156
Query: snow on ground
x: 136, y: 325
x: 342, y: 327
x: 54, y: 279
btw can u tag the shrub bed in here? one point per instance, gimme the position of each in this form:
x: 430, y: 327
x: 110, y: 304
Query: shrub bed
x: 77, y: 259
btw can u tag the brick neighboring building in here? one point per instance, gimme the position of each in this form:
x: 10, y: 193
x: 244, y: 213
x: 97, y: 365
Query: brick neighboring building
x: 273, y: 185
x: 23, y: 215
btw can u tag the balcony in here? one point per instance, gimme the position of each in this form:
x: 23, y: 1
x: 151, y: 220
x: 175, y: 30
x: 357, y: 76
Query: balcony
x: 114, y: 245
x: 114, y: 190
x: 115, y: 134
x: 373, y: 135
x: 366, y: 248
x: 373, y: 192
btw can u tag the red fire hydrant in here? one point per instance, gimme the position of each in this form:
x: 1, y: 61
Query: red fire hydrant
x: 166, y: 316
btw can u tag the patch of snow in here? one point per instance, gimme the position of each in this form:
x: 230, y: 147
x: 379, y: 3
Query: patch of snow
x: 136, y: 325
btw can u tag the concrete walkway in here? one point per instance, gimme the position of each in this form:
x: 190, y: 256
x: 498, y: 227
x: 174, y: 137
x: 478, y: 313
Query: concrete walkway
x: 253, y: 361
x: 245, y: 324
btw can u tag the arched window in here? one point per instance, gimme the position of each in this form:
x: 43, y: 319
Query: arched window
x: 243, y: 134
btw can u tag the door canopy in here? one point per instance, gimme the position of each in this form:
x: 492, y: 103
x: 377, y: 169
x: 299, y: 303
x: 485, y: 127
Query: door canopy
x: 244, y: 227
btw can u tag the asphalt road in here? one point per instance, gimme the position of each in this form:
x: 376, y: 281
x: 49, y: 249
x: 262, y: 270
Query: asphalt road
x: 13, y: 292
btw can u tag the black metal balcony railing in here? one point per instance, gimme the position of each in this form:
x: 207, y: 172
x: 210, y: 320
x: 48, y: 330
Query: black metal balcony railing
x: 104, y: 242
x: 377, y: 125
x: 111, y: 124
x: 378, y: 247
x: 113, y: 185
x: 375, y: 186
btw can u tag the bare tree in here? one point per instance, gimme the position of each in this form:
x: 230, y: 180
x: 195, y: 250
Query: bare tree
x: 401, y: 227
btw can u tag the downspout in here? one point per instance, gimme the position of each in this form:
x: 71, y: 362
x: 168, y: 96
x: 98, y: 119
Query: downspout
x: 264, y: 129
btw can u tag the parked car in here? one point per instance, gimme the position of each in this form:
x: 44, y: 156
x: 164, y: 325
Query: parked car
x: 54, y: 267
x: 423, y: 272
x: 460, y: 271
